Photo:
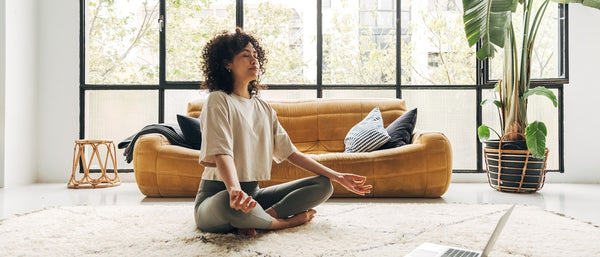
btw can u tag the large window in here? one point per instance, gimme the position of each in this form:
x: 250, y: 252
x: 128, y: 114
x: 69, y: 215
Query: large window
x: 141, y: 62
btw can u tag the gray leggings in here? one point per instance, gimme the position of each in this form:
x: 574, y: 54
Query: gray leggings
x: 213, y: 213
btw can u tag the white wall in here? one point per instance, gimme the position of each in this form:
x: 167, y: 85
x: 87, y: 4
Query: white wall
x: 20, y: 93
x: 57, y: 109
x: 58, y: 102
x: 582, y: 151
x: 2, y: 86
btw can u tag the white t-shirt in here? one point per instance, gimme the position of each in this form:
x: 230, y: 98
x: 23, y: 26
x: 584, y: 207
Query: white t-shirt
x: 246, y: 129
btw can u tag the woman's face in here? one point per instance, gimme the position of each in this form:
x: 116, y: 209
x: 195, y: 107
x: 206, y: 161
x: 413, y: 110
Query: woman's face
x: 245, y: 64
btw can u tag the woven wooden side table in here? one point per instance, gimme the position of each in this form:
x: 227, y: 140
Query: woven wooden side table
x: 79, y: 156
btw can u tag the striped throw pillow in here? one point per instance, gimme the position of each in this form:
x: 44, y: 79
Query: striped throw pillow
x: 367, y: 135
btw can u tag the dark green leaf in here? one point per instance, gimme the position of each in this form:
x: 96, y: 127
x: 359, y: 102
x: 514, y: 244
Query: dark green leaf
x: 486, y: 50
x: 536, y: 138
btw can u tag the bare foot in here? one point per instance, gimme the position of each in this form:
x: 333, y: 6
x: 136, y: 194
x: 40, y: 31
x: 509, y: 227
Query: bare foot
x: 297, y: 220
x: 248, y: 232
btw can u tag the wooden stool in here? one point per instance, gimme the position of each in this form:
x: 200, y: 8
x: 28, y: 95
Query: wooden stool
x: 79, y: 155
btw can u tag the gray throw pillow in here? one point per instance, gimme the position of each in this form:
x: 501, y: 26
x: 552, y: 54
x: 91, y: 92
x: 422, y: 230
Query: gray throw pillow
x: 367, y: 135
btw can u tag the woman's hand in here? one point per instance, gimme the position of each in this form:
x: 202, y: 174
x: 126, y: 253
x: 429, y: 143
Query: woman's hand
x: 238, y: 200
x: 354, y: 183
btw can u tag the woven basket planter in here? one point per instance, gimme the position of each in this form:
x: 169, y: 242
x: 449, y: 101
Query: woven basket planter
x: 512, y: 168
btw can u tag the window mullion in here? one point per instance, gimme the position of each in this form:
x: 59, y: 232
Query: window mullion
x: 82, y: 61
x: 319, y: 49
x: 162, y: 73
x: 398, y: 52
x: 563, y: 36
x: 239, y: 13
x: 481, y: 78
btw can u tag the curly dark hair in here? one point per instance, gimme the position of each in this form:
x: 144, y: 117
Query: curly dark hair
x: 219, y: 51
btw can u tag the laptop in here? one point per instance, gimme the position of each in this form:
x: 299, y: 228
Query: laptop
x: 434, y: 250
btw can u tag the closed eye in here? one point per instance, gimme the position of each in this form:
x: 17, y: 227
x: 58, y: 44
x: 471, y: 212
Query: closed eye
x: 247, y: 53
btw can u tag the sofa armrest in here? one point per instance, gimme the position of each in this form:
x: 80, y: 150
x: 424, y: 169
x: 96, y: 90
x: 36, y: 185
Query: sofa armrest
x: 145, y: 154
x: 422, y: 169
x: 163, y: 169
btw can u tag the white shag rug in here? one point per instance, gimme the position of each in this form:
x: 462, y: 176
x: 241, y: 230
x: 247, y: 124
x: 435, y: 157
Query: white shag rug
x: 374, y: 229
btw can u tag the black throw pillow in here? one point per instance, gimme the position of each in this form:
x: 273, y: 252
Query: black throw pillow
x: 401, y: 130
x: 190, y: 127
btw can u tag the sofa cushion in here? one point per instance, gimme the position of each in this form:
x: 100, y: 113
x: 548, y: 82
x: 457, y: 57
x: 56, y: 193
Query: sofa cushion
x: 190, y: 127
x: 322, y: 124
x: 367, y: 135
x: 401, y: 130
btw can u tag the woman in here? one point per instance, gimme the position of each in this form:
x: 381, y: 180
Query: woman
x: 241, y: 135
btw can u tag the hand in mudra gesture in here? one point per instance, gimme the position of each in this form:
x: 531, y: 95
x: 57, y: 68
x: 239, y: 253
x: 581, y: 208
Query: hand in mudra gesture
x: 238, y: 200
x: 354, y: 183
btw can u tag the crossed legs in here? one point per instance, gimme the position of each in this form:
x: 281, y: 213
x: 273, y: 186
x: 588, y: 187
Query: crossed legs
x: 288, y: 205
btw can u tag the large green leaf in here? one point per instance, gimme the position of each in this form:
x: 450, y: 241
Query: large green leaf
x: 543, y: 92
x: 487, y: 20
x: 535, y: 134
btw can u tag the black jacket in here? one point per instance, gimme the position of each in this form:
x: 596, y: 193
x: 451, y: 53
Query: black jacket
x: 171, y: 131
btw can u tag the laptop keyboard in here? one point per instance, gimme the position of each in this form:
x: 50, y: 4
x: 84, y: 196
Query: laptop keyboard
x: 459, y: 253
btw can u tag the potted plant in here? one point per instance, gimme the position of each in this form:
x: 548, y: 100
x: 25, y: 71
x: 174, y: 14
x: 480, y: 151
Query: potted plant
x: 516, y: 161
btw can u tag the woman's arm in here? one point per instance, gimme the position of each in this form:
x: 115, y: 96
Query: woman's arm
x: 238, y: 200
x: 354, y: 183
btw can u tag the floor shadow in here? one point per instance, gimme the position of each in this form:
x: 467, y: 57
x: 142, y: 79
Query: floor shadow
x: 387, y: 200
x: 167, y: 200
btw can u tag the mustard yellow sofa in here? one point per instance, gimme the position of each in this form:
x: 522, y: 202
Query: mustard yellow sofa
x: 316, y: 127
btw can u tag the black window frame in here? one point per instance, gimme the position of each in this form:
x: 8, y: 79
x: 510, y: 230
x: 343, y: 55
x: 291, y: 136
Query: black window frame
x: 483, y: 82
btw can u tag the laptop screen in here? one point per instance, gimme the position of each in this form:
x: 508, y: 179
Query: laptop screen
x: 496, y: 233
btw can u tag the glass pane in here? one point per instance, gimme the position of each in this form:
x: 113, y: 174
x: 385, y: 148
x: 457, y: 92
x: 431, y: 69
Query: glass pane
x: 404, y: 16
x: 297, y: 94
x: 382, y: 93
x: 176, y: 102
x: 546, y: 52
x: 288, y: 33
x: 190, y: 24
x: 117, y: 114
x: 453, y: 113
x: 404, y: 24
x: 121, y: 42
x: 434, y: 49
x: 359, y: 42
x: 540, y: 109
